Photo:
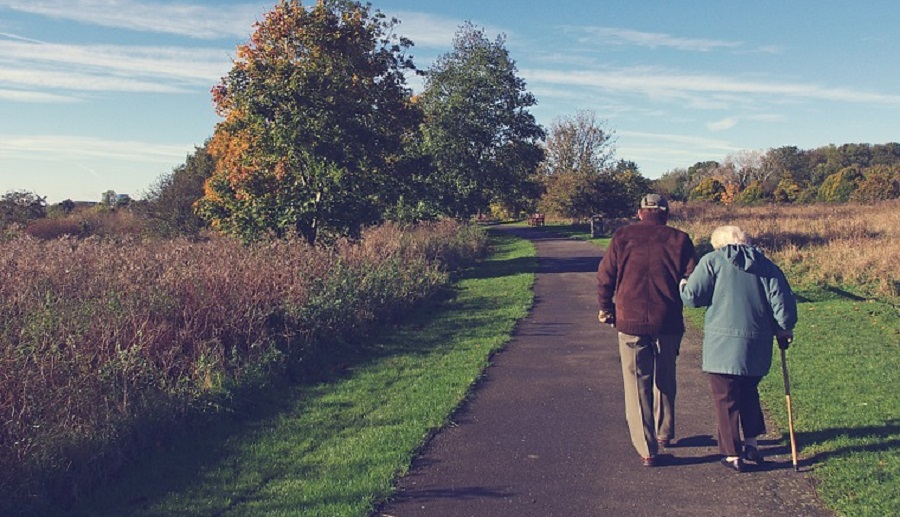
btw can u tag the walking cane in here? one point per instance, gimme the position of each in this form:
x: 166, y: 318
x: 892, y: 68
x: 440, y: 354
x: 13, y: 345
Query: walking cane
x: 783, y: 343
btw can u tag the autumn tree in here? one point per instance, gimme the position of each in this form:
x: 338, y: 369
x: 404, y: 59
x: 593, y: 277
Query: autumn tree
x: 787, y: 190
x: 673, y: 184
x: 752, y: 194
x: 631, y: 186
x: 709, y: 189
x: 878, y: 183
x: 478, y: 132
x: 838, y: 187
x: 579, y: 175
x: 316, y: 111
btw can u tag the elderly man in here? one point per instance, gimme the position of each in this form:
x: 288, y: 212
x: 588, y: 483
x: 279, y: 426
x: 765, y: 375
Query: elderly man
x: 638, y: 290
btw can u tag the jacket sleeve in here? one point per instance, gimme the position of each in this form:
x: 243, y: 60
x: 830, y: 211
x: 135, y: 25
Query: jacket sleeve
x: 607, y: 275
x: 782, y: 300
x: 698, y: 290
x: 689, y: 258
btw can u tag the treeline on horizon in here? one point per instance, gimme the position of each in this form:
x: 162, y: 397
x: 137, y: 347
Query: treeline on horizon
x: 785, y: 175
x: 849, y: 172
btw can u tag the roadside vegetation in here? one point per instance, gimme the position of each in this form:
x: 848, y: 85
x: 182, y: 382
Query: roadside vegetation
x: 334, y: 447
x: 849, y: 246
x: 108, y: 345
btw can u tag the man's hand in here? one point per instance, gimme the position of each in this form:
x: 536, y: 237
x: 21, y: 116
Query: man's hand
x: 682, y: 283
x: 784, y: 338
x: 606, y: 318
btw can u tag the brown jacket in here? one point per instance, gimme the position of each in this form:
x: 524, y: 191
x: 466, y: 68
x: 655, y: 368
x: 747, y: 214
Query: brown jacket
x: 637, y: 280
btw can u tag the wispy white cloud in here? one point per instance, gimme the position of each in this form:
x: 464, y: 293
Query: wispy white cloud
x: 35, y: 71
x: 427, y: 30
x: 680, y: 139
x: 665, y: 84
x: 184, y: 64
x: 629, y: 37
x: 65, y: 147
x: 17, y: 37
x: 34, y: 97
x: 45, y: 79
x: 659, y: 151
x: 193, y: 20
x: 722, y: 124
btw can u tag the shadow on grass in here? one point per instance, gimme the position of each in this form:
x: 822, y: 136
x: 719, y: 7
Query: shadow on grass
x: 825, y: 292
x: 886, y: 437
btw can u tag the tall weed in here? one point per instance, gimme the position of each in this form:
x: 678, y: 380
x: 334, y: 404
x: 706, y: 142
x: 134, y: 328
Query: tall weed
x: 105, y: 342
x: 851, y: 245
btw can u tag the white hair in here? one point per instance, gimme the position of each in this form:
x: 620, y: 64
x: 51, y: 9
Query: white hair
x: 725, y: 235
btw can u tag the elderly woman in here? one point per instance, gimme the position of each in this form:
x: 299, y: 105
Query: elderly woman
x: 748, y: 303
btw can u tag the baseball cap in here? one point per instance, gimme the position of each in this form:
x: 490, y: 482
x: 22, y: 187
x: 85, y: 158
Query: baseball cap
x: 654, y: 201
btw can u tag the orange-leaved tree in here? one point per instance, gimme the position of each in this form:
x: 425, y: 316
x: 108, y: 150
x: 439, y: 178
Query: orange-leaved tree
x: 315, y: 115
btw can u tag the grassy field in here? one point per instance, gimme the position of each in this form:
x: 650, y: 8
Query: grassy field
x: 334, y: 448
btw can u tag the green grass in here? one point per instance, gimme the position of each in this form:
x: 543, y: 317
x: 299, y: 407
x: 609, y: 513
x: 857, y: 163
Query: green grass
x: 335, y: 448
x: 843, y: 369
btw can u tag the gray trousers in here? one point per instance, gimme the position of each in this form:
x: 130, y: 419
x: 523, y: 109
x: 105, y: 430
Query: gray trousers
x: 648, y: 371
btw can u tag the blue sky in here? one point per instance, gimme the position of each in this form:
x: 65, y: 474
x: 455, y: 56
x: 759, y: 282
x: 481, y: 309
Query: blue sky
x: 111, y: 94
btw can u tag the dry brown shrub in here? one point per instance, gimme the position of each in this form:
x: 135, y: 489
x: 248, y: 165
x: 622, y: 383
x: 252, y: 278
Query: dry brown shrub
x: 53, y: 228
x: 854, y: 245
x: 101, y: 334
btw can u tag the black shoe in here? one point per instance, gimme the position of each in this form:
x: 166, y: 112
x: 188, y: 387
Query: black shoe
x: 751, y: 453
x: 736, y: 465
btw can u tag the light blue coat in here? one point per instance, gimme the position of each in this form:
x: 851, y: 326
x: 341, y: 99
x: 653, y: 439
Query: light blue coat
x: 748, y: 299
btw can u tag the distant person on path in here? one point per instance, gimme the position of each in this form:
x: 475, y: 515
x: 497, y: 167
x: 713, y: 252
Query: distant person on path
x: 637, y: 285
x: 748, y: 302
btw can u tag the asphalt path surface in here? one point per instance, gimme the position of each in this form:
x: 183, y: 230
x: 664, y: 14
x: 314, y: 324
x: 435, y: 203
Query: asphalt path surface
x: 544, y: 431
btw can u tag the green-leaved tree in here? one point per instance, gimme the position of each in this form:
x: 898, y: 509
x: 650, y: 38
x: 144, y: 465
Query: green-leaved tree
x: 20, y: 207
x: 482, y: 140
x: 169, y: 203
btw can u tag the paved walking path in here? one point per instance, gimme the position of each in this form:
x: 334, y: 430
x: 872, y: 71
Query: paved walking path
x: 544, y: 432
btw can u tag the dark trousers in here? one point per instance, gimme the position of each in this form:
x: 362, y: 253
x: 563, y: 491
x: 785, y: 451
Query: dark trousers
x: 736, y: 400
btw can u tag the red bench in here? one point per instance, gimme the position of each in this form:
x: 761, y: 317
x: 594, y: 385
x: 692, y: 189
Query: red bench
x: 536, y: 220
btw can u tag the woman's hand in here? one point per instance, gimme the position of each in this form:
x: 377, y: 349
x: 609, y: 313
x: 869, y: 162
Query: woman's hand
x: 784, y: 338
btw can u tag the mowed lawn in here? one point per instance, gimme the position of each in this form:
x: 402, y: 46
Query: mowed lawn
x: 844, y: 370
